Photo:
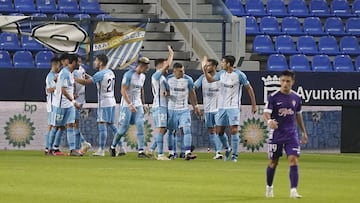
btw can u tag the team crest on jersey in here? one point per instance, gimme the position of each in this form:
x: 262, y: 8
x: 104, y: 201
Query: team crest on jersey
x: 19, y: 131
x: 293, y: 102
x: 271, y: 84
x: 253, y: 134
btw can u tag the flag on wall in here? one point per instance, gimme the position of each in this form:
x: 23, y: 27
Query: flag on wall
x: 121, y: 42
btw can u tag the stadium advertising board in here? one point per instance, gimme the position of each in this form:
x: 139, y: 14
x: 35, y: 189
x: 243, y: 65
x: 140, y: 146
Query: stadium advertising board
x: 23, y: 126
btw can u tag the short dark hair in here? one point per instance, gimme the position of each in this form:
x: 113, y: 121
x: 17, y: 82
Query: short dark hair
x: 213, y: 62
x: 288, y: 73
x: 229, y: 59
x: 102, y: 58
x: 73, y: 57
x: 158, y: 61
x: 64, y: 56
x: 54, y: 59
x: 178, y: 65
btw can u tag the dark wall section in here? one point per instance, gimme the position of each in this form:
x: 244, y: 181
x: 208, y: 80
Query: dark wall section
x: 350, y: 130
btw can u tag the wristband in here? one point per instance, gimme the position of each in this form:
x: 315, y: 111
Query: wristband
x: 268, y: 122
x: 73, y: 101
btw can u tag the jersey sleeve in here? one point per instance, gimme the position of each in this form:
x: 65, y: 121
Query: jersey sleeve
x: 50, y: 81
x: 65, y: 79
x: 190, y: 83
x: 126, y: 79
x: 97, y: 77
x: 269, y: 104
x: 242, y: 78
x: 298, y: 107
x: 157, y: 75
x: 217, y: 76
x: 198, y: 82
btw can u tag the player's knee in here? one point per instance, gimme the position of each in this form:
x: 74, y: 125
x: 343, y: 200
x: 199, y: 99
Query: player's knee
x: 273, y: 163
x: 186, y: 130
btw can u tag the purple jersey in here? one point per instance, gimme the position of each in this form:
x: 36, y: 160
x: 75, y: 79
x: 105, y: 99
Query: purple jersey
x: 283, y: 108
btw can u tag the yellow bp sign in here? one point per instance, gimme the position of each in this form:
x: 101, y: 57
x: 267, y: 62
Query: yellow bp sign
x: 253, y: 134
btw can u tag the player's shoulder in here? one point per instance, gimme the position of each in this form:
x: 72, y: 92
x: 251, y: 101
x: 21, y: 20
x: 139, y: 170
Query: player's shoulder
x: 170, y: 76
x: 294, y: 93
x: 273, y: 94
x: 188, y: 77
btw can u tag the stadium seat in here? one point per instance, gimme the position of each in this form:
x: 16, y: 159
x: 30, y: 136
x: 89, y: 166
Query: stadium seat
x: 47, y: 6
x: 307, y: 45
x: 343, y: 63
x: 60, y: 15
x: 29, y: 43
x: 356, y: 8
x: 328, y: 45
x: 255, y: 8
x: 90, y: 6
x: 352, y: 26
x: 319, y: 8
x: 6, y: 6
x: 16, y: 14
x: 42, y: 59
x: 39, y: 15
x: 9, y: 41
x: 313, y: 26
x: 321, y: 63
x: 357, y: 63
x: 25, y: 6
x: 68, y: 6
x: 269, y: 25
x: 23, y: 59
x: 235, y: 7
x: 298, y: 8
x: 299, y: 62
x: 277, y: 62
x: 334, y: 26
x: 263, y: 44
x: 340, y: 8
x: 276, y: 8
x: 252, y: 27
x: 349, y: 45
x: 291, y: 26
x: 284, y: 44
x: 5, y: 59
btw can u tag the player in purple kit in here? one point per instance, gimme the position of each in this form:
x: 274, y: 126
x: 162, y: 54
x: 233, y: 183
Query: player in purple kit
x: 282, y: 112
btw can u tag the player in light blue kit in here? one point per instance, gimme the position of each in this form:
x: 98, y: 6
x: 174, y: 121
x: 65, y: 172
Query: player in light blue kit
x: 132, y: 108
x: 210, y: 92
x: 64, y: 103
x: 181, y: 88
x: 79, y: 95
x: 159, y: 107
x: 231, y: 82
x: 50, y: 89
x: 282, y: 112
x: 106, y: 112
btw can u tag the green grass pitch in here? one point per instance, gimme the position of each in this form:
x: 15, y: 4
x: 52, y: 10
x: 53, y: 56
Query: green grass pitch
x: 29, y: 176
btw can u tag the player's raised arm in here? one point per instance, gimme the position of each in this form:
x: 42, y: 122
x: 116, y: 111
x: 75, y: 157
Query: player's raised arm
x: 204, y: 66
x: 87, y: 81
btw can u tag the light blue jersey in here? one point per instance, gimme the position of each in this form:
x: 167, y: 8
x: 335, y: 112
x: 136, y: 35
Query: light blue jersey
x: 105, y: 83
x: 79, y: 88
x: 230, y: 88
x: 50, y: 83
x: 210, y: 93
x: 135, y: 83
x: 65, y: 79
x: 179, y: 92
x: 159, y: 88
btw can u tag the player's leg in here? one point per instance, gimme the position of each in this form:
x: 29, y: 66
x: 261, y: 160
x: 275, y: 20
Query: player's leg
x: 111, y: 122
x: 69, y: 119
x: 124, y: 123
x: 234, y: 120
x: 274, y: 153
x: 221, y: 121
x: 160, y: 120
x: 293, y: 152
x: 139, y: 122
x: 213, y: 137
x: 185, y: 125
x: 60, y: 132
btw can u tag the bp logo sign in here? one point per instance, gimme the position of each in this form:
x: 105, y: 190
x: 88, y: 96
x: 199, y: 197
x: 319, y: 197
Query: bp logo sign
x: 131, y: 138
x: 19, y: 131
x: 253, y: 134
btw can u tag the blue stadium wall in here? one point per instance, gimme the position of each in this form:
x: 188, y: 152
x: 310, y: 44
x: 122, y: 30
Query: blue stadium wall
x: 329, y: 129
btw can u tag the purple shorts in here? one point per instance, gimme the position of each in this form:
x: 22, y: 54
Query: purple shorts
x: 275, y: 151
